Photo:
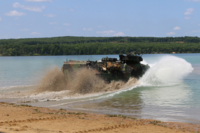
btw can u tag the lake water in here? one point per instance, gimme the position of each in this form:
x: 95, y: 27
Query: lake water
x: 169, y: 91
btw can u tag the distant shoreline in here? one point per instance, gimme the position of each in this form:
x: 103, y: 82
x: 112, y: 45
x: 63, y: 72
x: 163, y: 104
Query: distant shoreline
x: 97, y: 45
x: 91, y: 55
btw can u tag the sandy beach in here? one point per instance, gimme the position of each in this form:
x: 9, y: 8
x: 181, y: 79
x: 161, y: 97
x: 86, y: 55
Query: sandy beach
x: 29, y: 119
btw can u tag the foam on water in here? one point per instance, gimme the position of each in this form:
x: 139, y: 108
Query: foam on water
x: 169, y: 70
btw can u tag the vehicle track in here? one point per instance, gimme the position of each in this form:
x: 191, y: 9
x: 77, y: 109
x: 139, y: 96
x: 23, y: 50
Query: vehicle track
x: 107, y: 128
x: 104, y: 128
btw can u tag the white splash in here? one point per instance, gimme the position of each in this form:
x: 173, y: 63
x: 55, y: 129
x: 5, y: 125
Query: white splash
x: 168, y: 70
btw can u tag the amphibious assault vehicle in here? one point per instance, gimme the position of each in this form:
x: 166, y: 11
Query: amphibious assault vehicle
x: 109, y: 68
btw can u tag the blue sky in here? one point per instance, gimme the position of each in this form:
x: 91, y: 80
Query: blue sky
x: 50, y: 18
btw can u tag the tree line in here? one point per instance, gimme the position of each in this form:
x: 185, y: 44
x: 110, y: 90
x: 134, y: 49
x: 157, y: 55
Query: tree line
x: 98, y: 45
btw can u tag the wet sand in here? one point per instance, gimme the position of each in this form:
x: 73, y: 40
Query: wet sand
x: 29, y: 119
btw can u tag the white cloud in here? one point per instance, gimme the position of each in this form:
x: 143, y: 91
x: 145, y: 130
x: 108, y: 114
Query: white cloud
x: 35, y: 9
x: 88, y: 29
x: 53, y: 23
x: 67, y: 24
x: 24, y: 29
x: 39, y: 0
x: 35, y: 33
x: 111, y: 33
x: 0, y: 19
x: 189, y: 11
x: 119, y: 34
x: 49, y: 15
x: 177, y: 28
x: 187, y: 17
x: 15, y: 13
x: 106, y: 32
x: 194, y: 0
x: 171, y: 33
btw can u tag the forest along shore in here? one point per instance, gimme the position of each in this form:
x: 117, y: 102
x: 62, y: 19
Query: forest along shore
x: 69, y: 45
x: 30, y: 119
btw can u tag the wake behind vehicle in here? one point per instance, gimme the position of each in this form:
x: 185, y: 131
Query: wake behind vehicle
x: 109, y: 68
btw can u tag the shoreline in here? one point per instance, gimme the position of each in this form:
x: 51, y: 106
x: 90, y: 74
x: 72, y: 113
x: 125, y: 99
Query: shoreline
x: 30, y: 119
x: 172, y: 53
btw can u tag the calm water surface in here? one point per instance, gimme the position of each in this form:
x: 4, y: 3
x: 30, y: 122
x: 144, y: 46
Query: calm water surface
x: 169, y: 91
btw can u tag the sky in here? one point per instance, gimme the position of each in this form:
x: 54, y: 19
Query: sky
x: 99, y: 18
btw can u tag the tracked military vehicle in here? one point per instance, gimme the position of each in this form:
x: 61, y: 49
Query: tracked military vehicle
x: 109, y: 68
